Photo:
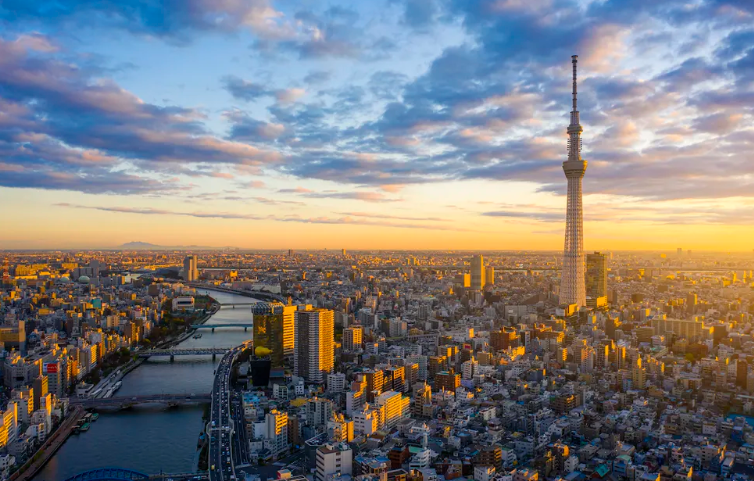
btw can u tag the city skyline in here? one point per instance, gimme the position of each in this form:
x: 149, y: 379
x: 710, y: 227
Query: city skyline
x: 250, y: 124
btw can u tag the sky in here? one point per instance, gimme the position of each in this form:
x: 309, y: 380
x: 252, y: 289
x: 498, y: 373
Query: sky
x: 377, y: 124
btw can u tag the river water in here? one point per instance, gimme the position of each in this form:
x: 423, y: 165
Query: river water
x: 152, y: 438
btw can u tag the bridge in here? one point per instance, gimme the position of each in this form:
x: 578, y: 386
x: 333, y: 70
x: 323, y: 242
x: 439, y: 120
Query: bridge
x: 120, y: 474
x: 239, y: 304
x: 172, y: 352
x: 264, y: 295
x: 213, y: 326
x: 122, y: 402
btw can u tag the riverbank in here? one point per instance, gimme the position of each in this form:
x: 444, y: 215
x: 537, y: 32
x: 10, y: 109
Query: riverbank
x: 154, y: 438
x: 29, y: 469
x: 122, y: 370
x: 48, y: 449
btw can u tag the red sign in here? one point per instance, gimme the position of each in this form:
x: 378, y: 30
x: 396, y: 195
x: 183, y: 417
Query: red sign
x: 50, y: 368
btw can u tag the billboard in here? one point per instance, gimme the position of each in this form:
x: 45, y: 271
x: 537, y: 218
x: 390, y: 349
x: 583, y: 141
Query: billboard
x: 50, y: 368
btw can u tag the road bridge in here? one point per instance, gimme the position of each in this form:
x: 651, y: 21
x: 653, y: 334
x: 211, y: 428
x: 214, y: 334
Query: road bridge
x: 122, y: 402
x: 172, y: 352
x: 239, y: 304
x: 213, y: 326
x: 179, y: 477
x: 120, y: 474
x: 263, y: 295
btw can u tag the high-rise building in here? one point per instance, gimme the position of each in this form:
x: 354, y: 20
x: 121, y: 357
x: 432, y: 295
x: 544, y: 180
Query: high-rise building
x: 274, y: 325
x: 596, y: 275
x: 190, y: 268
x: 318, y: 411
x: 397, y: 407
x: 489, y: 275
x: 353, y: 338
x: 422, y: 401
x: 477, y: 272
x: 587, y: 359
x: 375, y: 380
x: 315, y: 344
x: 572, y: 282
x: 276, y: 424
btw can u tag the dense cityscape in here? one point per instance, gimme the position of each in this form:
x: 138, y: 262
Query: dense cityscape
x: 393, y: 365
x: 193, y: 359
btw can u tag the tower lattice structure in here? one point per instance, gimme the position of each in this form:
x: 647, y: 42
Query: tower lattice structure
x: 572, y: 283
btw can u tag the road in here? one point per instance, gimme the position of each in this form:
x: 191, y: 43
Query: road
x: 226, y: 434
x: 240, y: 438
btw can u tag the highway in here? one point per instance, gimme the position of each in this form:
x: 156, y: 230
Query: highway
x: 226, y: 434
x: 240, y: 438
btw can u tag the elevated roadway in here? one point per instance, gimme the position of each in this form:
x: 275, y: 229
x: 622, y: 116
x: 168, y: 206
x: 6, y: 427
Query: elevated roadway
x: 223, y: 442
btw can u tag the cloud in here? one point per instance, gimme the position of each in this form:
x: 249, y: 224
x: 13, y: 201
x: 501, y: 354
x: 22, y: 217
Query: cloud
x: 247, y: 129
x: 268, y: 201
x: 296, y: 190
x: 538, y: 216
x: 664, y: 118
x: 173, y: 20
x: 420, y: 14
x: 394, y: 217
x: 68, y: 127
x: 317, y: 77
x: 237, y: 216
x: 287, y: 96
x: 244, y: 90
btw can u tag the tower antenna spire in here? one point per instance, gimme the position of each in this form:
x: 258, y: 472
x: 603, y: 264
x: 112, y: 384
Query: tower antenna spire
x: 574, y: 61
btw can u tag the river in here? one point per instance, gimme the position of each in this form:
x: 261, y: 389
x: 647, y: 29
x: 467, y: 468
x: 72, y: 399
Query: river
x: 153, y: 438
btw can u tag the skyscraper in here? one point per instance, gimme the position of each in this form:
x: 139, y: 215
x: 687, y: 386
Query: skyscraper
x: 477, y: 273
x: 315, y: 344
x: 572, y: 288
x: 596, y: 275
x: 353, y: 338
x: 274, y: 329
x: 190, y: 268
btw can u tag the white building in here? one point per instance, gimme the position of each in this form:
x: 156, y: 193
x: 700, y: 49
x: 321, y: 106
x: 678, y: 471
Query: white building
x: 333, y: 459
x: 484, y: 473
x: 336, y: 382
x: 366, y: 421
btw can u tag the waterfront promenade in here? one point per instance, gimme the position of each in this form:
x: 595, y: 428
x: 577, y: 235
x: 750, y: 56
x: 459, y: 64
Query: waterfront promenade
x: 50, y: 446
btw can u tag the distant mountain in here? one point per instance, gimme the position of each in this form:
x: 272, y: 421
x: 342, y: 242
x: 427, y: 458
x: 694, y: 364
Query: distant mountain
x: 138, y: 245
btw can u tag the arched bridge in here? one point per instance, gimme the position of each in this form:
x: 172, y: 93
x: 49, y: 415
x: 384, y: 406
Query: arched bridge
x: 119, y: 474
x: 128, y: 401
x: 108, y: 474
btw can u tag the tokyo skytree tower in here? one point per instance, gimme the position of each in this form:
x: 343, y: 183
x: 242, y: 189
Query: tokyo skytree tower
x: 572, y: 288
